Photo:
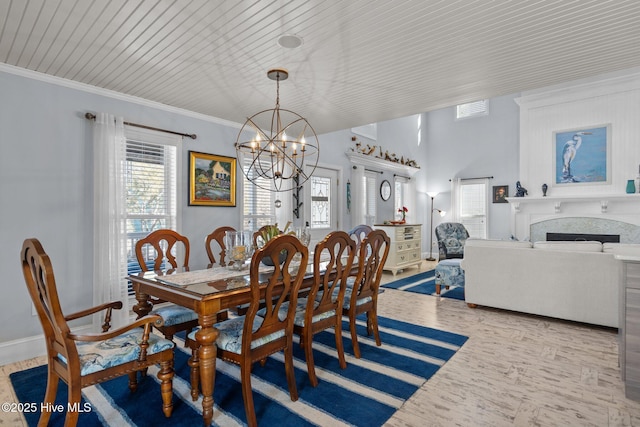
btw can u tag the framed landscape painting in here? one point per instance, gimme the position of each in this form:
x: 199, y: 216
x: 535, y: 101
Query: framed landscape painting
x: 212, y: 180
x: 582, y: 156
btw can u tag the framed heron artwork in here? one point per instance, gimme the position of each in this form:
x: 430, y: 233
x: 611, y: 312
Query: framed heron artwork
x: 583, y: 155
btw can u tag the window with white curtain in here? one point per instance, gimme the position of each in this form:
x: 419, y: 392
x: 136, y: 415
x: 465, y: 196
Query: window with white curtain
x: 150, y: 176
x: 258, y: 204
x: 401, y: 195
x: 371, y: 193
x: 473, y: 206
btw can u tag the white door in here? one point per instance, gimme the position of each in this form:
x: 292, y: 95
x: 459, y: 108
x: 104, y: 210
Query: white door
x: 321, y: 203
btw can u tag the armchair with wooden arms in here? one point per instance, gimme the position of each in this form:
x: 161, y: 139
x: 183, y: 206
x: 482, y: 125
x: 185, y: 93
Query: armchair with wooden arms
x: 88, y: 359
x: 163, y: 244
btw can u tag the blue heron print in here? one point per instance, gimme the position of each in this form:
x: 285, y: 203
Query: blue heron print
x: 581, y: 155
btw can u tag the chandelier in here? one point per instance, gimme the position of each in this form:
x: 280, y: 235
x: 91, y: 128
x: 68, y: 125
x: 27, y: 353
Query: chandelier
x: 283, y: 144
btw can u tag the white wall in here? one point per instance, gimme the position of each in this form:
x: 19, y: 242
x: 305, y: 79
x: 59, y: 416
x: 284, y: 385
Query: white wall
x: 470, y: 148
x: 612, y: 99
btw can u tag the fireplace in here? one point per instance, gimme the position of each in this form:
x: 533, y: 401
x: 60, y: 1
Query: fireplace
x: 576, y: 237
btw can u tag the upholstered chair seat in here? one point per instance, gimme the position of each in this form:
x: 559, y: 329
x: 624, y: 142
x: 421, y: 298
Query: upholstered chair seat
x: 100, y: 355
x: 173, y: 314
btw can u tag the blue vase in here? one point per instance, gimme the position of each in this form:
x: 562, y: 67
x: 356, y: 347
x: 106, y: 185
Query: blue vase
x: 631, y: 186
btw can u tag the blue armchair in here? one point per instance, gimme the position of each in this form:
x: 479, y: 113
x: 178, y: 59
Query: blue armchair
x: 451, y: 238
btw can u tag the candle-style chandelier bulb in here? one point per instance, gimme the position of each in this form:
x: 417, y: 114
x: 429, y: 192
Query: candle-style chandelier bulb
x: 284, y: 145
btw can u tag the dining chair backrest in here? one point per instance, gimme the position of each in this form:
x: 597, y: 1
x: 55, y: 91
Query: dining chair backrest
x: 164, y: 244
x: 359, y: 232
x: 281, y: 286
x: 38, y: 274
x: 371, y: 259
x: 217, y: 236
x: 332, y: 263
x: 363, y: 297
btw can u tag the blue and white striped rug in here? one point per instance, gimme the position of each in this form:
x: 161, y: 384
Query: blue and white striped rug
x: 366, y: 393
x: 425, y: 283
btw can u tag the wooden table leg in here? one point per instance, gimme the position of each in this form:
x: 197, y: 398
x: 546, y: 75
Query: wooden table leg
x: 143, y: 307
x: 206, y: 337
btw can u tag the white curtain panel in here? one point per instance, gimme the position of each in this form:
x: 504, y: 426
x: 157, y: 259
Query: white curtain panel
x: 109, y: 226
x: 455, y: 199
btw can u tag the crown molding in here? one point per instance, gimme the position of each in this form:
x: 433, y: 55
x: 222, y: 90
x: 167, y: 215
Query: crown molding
x: 59, y: 81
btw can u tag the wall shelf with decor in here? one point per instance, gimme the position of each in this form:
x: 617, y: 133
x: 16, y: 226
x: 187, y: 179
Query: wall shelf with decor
x: 376, y: 162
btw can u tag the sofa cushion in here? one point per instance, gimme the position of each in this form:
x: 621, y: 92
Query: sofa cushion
x: 494, y: 243
x: 582, y: 246
x: 620, y: 247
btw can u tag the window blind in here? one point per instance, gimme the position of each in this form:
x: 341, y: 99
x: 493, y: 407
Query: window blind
x: 258, y: 203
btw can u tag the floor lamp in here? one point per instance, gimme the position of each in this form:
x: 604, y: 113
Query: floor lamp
x: 442, y: 213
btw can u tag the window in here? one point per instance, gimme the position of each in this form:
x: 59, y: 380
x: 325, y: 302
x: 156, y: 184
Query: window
x: 258, y: 204
x: 473, y: 207
x: 401, y: 195
x: 150, y: 173
x: 472, y: 109
x: 320, y: 202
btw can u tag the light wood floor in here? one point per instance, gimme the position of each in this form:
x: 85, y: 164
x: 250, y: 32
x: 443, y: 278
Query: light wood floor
x: 515, y: 369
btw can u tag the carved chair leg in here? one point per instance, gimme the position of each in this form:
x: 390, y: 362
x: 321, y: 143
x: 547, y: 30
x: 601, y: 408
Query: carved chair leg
x: 247, y: 396
x: 165, y: 375
x: 372, y: 319
x: 49, y: 396
x: 75, y: 395
x: 339, y: 345
x: 306, y: 340
x: 133, y: 381
x: 354, y: 337
x: 194, y: 363
x: 291, y: 377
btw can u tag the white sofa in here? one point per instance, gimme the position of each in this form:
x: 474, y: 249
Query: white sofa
x: 576, y: 281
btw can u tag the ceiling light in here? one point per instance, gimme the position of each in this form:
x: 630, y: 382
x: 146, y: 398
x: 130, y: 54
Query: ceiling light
x: 282, y: 145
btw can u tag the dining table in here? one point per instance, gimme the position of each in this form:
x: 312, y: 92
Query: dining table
x: 207, y: 292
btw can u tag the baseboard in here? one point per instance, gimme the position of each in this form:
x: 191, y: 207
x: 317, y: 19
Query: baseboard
x: 28, y: 348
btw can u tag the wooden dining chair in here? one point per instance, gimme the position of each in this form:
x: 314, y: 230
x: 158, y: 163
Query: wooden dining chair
x: 217, y: 236
x: 92, y: 358
x: 362, y: 297
x: 359, y: 232
x: 246, y: 339
x: 322, y: 308
x: 160, y: 246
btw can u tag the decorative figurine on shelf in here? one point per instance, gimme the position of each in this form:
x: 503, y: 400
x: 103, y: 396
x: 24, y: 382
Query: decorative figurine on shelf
x: 544, y: 190
x: 520, y: 190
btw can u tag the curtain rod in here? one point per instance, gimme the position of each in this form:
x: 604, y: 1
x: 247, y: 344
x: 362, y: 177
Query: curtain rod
x: 402, y: 176
x: 369, y: 170
x: 91, y: 116
x: 480, y: 177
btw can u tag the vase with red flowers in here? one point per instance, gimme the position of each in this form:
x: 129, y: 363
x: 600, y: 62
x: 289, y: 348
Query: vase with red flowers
x: 403, y: 211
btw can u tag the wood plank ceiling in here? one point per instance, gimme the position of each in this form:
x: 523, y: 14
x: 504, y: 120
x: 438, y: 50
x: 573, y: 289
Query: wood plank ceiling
x: 361, y: 61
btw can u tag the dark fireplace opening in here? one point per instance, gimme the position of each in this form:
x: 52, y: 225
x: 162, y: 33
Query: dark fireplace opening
x: 576, y: 237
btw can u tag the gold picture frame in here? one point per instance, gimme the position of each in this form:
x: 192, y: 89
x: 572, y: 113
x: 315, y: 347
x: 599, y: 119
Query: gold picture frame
x: 212, y: 180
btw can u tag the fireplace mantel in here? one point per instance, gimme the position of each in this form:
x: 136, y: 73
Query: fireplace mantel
x: 526, y: 211
x: 557, y: 202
